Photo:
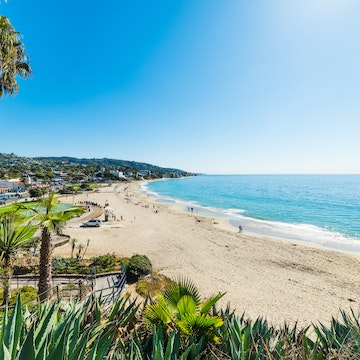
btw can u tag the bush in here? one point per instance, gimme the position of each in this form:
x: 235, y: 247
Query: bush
x: 139, y: 266
x: 105, y: 262
x: 21, y: 270
x: 27, y: 294
x: 36, y: 193
x: 152, y: 286
x: 102, y: 263
x: 65, y: 191
x: 62, y: 265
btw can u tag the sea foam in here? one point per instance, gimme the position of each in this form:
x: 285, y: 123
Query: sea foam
x: 323, y: 210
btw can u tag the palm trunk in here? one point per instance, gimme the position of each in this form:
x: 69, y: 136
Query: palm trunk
x: 44, y: 286
x: 6, y: 276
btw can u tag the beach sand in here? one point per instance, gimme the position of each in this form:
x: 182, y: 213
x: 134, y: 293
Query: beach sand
x: 278, y: 279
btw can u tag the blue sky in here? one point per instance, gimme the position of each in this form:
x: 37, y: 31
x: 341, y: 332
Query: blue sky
x: 212, y: 86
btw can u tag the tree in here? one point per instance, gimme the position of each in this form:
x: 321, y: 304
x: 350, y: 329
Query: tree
x: 14, y: 235
x: 37, y: 192
x: 51, y: 218
x: 73, y: 245
x: 13, y: 59
x: 180, y: 308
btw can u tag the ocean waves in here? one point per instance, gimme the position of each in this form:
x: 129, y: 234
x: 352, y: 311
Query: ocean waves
x: 320, y: 209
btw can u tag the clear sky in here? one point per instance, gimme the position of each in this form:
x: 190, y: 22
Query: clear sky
x: 212, y: 86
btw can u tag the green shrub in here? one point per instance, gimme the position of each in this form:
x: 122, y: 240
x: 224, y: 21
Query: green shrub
x: 21, y: 270
x: 27, y: 294
x: 139, y: 266
x: 152, y: 286
x: 102, y: 263
x: 61, y: 265
x: 125, y: 262
x: 105, y: 261
x: 65, y: 191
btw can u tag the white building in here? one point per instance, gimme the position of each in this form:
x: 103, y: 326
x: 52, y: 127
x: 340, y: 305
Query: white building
x: 118, y: 174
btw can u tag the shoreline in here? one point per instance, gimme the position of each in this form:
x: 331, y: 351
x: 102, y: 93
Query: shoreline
x: 279, y: 279
x: 318, y: 237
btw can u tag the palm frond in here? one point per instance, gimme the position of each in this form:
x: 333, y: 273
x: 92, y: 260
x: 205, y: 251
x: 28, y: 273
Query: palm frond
x: 208, y: 304
x: 176, y: 290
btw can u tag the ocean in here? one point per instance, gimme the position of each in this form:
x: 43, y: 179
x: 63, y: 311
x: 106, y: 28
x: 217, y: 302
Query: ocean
x: 322, y: 209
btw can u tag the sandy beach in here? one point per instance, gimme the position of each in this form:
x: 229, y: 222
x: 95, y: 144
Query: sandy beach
x: 279, y: 279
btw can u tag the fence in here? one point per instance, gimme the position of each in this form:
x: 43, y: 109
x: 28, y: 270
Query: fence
x: 78, y: 287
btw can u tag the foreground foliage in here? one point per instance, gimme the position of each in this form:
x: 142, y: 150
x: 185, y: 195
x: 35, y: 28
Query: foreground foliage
x: 15, y: 233
x: 181, y: 307
x: 93, y: 330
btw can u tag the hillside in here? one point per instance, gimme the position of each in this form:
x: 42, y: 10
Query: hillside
x: 12, y: 165
x: 106, y: 162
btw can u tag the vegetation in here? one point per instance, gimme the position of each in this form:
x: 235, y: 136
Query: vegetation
x: 73, y: 331
x: 62, y: 265
x: 51, y: 219
x: 138, y: 266
x: 15, y: 233
x: 13, y: 59
x: 79, y: 174
x: 122, y: 165
x: 100, y: 264
x: 37, y: 193
x: 181, y: 307
x: 105, y: 262
x: 152, y: 286
x: 28, y: 296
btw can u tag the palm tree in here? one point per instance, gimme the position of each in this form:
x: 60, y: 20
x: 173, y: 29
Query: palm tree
x: 14, y: 234
x: 51, y: 216
x: 180, y: 308
x: 73, y: 244
x: 13, y: 60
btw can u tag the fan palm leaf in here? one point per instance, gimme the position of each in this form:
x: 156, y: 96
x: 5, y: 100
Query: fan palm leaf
x: 180, y: 308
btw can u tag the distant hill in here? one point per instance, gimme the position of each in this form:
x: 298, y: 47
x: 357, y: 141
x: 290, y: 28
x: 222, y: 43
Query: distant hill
x: 17, y: 166
x: 111, y: 163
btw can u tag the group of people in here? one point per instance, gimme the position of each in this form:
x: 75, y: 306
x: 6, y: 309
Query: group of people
x: 90, y: 203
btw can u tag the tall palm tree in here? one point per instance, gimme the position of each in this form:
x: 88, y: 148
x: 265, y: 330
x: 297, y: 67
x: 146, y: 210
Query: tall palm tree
x: 52, y: 217
x: 13, y: 59
x: 180, y: 307
x: 14, y: 234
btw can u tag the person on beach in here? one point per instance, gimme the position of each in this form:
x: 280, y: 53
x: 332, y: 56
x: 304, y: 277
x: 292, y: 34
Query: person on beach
x: 240, y: 229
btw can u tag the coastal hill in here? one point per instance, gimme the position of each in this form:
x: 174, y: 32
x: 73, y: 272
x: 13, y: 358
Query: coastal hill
x: 110, y: 163
x: 12, y: 165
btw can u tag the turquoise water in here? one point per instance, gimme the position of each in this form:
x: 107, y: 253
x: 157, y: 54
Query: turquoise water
x: 323, y: 209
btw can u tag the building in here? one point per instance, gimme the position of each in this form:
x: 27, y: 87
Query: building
x: 118, y: 174
x: 15, y: 185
